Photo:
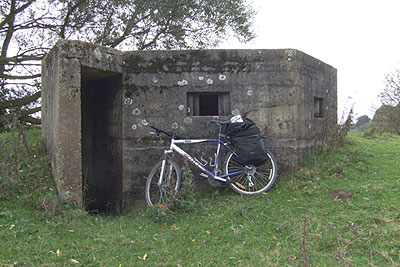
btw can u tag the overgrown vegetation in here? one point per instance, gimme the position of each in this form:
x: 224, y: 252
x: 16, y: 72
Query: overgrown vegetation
x: 362, y: 123
x: 335, y: 136
x: 386, y: 120
x: 387, y: 117
x: 19, y: 149
x: 340, y: 209
x: 185, y: 201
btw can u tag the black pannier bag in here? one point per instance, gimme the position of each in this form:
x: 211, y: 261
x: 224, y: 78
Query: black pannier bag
x: 244, y: 136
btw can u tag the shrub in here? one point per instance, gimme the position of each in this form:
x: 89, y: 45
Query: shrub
x: 387, y: 119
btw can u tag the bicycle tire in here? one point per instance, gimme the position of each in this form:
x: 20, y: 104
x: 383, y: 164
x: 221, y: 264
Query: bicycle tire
x: 257, y: 180
x: 159, y: 195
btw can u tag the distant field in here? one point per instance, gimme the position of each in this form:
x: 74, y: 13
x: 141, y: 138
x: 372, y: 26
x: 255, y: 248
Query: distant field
x: 342, y: 208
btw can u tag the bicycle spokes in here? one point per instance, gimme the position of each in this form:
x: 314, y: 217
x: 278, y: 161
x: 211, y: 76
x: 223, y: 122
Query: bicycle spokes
x: 253, y: 180
x: 160, y: 191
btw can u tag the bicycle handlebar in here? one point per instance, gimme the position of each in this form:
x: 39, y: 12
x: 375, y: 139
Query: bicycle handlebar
x: 159, y: 131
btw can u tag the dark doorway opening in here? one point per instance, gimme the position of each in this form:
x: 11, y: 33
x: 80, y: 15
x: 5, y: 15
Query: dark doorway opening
x: 101, y: 139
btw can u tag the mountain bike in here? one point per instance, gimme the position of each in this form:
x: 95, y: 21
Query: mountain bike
x: 165, y: 177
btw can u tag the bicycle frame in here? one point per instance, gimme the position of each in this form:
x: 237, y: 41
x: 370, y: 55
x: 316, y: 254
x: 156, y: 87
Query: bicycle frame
x: 256, y: 177
x: 180, y: 151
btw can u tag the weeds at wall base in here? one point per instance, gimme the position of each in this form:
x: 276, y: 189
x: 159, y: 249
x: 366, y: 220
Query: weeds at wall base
x: 334, y: 137
x: 185, y: 201
x: 24, y: 167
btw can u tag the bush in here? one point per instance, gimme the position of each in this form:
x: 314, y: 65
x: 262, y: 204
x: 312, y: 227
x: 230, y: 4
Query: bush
x: 387, y: 119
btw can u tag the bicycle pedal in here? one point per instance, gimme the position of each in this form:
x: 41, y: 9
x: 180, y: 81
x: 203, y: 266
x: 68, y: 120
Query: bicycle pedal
x: 204, y: 175
x: 240, y: 185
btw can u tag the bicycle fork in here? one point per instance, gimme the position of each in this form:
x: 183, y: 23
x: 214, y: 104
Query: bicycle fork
x: 164, y: 162
x: 162, y: 172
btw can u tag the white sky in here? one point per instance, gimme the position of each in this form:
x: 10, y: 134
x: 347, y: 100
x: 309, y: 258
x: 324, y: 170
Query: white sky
x: 361, y: 39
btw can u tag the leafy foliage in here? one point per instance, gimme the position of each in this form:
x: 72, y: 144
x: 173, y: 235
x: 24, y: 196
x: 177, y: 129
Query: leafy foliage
x: 361, y: 123
x: 29, y: 28
x: 387, y: 119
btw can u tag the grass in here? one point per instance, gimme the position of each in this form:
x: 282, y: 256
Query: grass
x: 341, y: 208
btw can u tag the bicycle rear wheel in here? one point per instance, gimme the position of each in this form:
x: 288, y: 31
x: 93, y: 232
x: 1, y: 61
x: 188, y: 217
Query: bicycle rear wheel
x: 255, y: 180
x: 159, y: 194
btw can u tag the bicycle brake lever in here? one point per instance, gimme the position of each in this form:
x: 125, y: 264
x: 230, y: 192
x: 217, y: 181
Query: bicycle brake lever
x: 156, y: 133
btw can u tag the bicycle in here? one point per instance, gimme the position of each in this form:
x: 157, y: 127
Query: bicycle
x: 165, y: 177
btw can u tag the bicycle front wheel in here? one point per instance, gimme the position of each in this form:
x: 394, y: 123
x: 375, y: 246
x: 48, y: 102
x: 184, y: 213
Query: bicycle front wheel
x: 254, y: 180
x: 157, y: 193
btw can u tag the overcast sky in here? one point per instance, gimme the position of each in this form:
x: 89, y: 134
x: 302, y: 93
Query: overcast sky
x: 361, y: 39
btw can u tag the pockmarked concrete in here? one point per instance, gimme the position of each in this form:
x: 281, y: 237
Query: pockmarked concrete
x: 98, y: 104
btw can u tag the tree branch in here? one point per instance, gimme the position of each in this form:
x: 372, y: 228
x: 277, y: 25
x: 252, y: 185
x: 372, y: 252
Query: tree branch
x: 19, y: 59
x: 19, y: 101
x: 16, y: 11
x: 10, y: 30
x: 30, y: 120
x: 154, y: 40
x: 30, y: 111
x: 68, y: 15
x: 9, y: 34
x: 14, y: 77
x: 23, y: 116
x: 134, y: 21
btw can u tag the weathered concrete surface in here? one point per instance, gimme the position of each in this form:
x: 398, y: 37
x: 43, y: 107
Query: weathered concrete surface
x: 290, y: 95
x: 63, y: 70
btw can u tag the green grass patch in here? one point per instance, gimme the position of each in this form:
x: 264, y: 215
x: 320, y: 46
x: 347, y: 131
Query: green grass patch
x: 341, y: 208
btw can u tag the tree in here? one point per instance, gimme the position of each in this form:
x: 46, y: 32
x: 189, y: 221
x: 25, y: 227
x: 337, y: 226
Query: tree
x: 381, y: 120
x: 362, y: 123
x: 391, y: 93
x: 388, y: 116
x: 29, y: 28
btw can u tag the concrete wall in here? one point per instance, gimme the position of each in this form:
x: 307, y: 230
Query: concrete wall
x: 277, y: 89
x: 61, y: 120
x: 62, y: 72
x: 317, y: 82
x: 274, y: 88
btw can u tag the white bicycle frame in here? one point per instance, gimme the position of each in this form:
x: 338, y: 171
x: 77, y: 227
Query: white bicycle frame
x: 180, y: 151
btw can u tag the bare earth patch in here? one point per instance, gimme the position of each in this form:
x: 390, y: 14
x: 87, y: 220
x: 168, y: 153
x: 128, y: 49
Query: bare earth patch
x: 339, y: 193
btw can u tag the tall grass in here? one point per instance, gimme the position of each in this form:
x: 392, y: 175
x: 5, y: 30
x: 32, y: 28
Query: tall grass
x: 340, y: 209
